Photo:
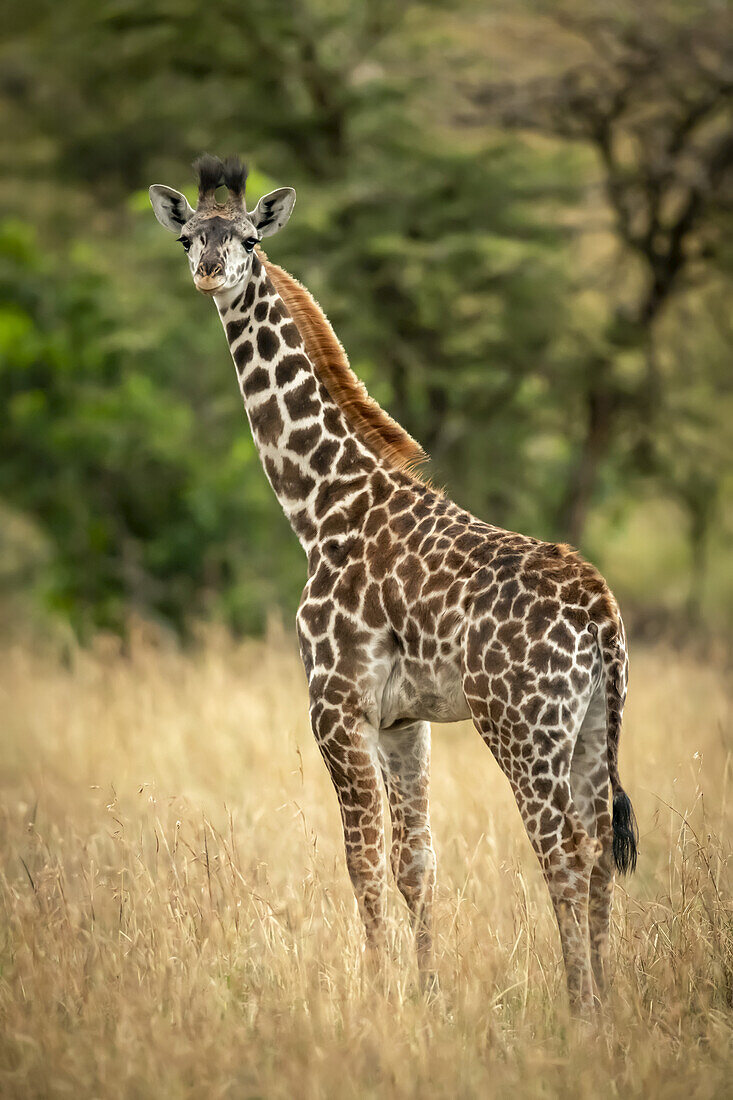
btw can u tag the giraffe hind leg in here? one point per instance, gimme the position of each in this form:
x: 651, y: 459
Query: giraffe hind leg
x: 589, y: 785
x: 566, y: 854
x: 535, y: 755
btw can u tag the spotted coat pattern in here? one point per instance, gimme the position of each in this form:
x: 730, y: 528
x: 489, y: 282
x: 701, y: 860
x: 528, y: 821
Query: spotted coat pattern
x: 414, y: 610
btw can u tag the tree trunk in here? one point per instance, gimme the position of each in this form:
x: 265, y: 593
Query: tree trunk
x: 600, y: 411
x: 602, y: 402
x: 700, y: 501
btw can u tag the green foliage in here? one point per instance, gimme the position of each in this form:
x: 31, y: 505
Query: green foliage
x: 148, y: 502
x: 449, y: 291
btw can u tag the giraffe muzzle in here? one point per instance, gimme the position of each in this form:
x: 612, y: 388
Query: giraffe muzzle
x: 209, y: 278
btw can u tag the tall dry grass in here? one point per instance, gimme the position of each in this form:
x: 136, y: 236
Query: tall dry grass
x: 176, y: 918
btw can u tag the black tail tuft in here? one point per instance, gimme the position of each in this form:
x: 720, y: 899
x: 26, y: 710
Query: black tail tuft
x: 625, y: 833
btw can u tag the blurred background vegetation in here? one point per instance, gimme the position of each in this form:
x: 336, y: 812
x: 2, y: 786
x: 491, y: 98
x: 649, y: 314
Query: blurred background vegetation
x: 518, y: 218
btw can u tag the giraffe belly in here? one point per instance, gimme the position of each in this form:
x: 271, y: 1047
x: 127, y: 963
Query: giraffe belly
x: 419, y: 692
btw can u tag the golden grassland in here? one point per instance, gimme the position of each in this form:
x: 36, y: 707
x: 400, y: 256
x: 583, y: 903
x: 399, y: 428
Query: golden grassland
x: 176, y: 918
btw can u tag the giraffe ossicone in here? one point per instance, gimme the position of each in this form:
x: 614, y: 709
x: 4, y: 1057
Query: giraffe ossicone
x: 414, y: 610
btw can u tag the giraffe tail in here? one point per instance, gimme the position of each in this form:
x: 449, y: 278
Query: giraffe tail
x: 615, y: 670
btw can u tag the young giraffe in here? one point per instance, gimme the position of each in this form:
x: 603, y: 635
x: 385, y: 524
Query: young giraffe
x: 414, y: 610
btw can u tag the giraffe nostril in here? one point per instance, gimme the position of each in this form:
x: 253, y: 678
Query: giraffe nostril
x: 208, y: 270
x: 209, y: 263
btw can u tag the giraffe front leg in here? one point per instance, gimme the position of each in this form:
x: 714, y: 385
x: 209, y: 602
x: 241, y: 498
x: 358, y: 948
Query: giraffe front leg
x: 348, y: 744
x: 405, y: 760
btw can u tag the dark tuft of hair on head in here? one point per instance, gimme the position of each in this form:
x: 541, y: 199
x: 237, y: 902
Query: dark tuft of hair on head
x: 235, y: 176
x: 209, y: 171
x: 212, y: 172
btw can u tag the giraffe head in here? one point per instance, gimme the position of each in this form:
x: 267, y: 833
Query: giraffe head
x: 219, y: 236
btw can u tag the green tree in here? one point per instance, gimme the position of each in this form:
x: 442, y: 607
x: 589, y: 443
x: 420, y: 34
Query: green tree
x: 651, y: 94
x: 147, y: 503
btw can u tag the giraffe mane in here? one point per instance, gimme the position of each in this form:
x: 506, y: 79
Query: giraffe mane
x: 375, y: 427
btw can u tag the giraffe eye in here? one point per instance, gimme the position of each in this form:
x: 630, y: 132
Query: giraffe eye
x: 185, y: 241
x: 250, y: 243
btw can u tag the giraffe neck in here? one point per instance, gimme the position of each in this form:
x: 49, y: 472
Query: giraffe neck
x: 312, y: 457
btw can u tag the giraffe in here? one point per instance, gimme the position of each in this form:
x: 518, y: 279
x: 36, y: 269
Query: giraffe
x: 416, y: 611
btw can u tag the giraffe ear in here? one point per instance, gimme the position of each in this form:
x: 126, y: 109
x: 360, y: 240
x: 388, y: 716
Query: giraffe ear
x: 273, y: 211
x: 171, y: 208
